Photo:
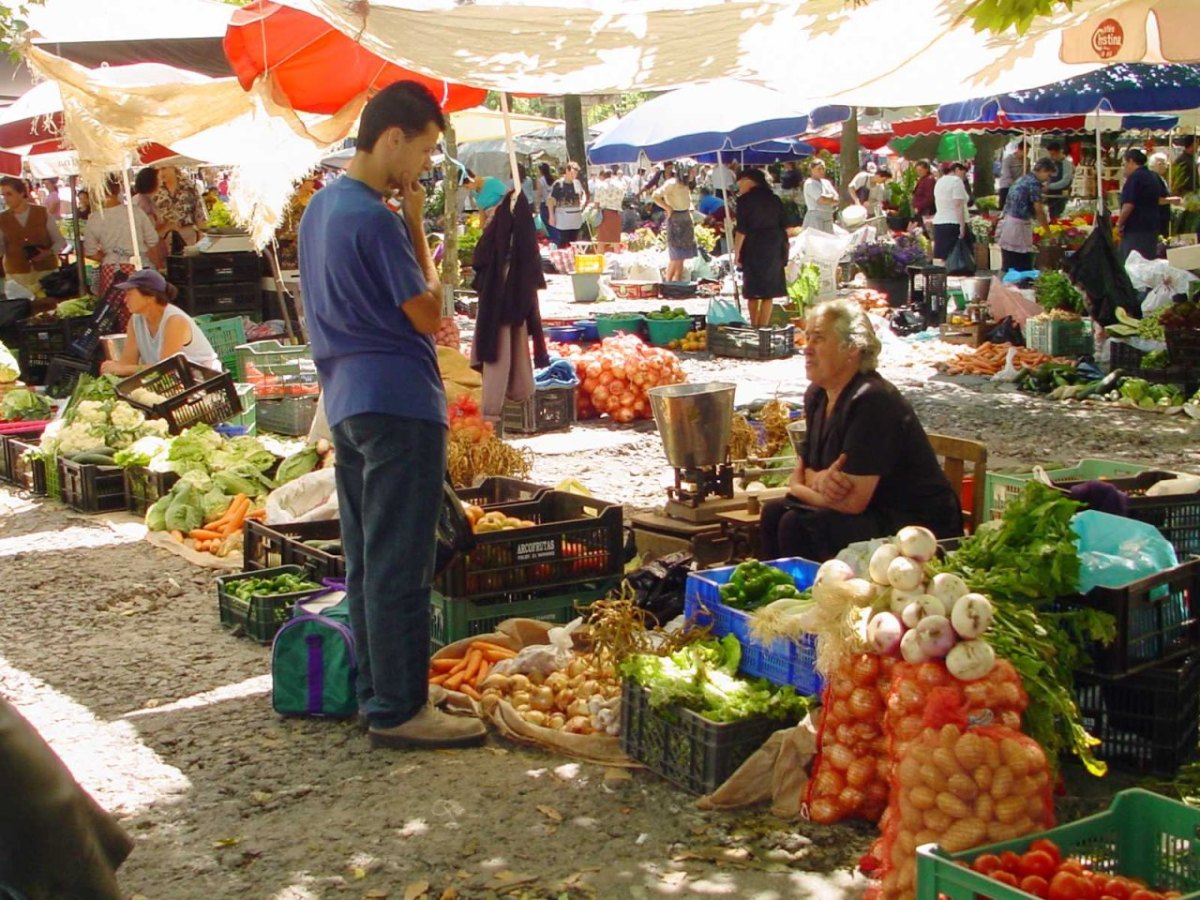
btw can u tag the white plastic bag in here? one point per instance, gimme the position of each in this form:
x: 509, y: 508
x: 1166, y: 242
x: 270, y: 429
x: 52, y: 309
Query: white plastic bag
x: 14, y: 290
x: 1160, y: 278
x: 310, y: 498
x: 544, y: 658
x: 1009, y: 373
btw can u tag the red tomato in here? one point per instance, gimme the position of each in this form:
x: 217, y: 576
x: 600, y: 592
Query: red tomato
x: 1036, y: 885
x: 1072, y: 866
x: 1039, y: 863
x: 1143, y: 894
x: 1005, y: 878
x: 1117, y: 889
x: 1010, y: 862
x: 986, y: 864
x: 1065, y: 886
x: 1048, y: 846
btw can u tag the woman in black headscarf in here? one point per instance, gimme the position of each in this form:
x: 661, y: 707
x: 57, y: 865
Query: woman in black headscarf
x: 760, y: 245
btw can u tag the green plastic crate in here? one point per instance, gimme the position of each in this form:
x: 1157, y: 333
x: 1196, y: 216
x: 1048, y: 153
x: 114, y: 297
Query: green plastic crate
x: 1004, y: 487
x: 263, y: 614
x: 225, y: 335
x: 1059, y: 337
x: 248, y: 418
x: 452, y: 619
x: 1142, y: 835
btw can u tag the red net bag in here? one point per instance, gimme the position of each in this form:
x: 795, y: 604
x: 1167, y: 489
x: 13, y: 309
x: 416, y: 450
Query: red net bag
x: 960, y: 785
x: 850, y: 772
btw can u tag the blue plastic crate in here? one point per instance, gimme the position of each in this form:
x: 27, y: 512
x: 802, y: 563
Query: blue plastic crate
x: 781, y: 661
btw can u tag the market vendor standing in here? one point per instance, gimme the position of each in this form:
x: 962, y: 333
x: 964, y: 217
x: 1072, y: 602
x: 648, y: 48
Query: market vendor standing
x: 1141, y: 196
x: 1014, y: 231
x: 157, y: 328
x: 180, y: 205
x: 760, y: 245
x: 867, y: 468
x: 109, y: 240
x: 374, y: 301
x: 30, y: 240
x: 820, y: 198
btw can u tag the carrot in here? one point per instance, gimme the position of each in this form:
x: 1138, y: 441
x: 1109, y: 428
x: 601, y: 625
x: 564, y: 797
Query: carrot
x: 443, y: 665
x: 439, y: 679
x: 494, y: 656
x: 455, y: 679
x: 484, y: 668
x: 177, y: 536
x: 474, y: 658
x: 257, y: 514
x: 204, y: 534
x: 488, y: 645
x: 471, y: 692
x: 236, y: 509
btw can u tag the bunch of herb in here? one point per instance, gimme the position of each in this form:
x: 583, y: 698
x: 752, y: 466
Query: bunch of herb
x: 1054, y: 290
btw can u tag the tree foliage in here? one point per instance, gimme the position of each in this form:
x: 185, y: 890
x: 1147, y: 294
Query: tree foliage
x: 999, y: 15
x: 13, y: 26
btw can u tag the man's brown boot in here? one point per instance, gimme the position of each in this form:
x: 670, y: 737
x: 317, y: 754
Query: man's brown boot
x: 430, y: 729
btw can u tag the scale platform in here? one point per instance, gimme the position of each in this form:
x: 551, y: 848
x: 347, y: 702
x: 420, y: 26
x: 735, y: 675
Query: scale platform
x: 657, y: 535
x: 711, y: 507
x: 212, y: 242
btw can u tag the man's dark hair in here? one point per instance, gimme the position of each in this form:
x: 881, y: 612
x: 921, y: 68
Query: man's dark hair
x: 112, y: 184
x: 146, y: 181
x: 1045, y: 164
x: 406, y: 105
x: 925, y: 164
x: 1052, y: 146
x: 16, y: 184
x: 1188, y: 140
x: 1134, y: 155
x: 883, y: 173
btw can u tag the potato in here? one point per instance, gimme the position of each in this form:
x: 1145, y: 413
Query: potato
x: 904, y: 840
x: 860, y: 772
x: 938, y: 820
x: 946, y: 761
x: 1002, y: 831
x: 949, y: 736
x: 911, y: 817
x: 908, y: 772
x: 962, y: 786
x: 908, y: 728
x: 1035, y: 807
x: 963, y: 835
x: 898, y: 855
x: 985, y: 807
x: 922, y: 797
x: 991, y: 754
x: 1015, y: 757
x: 1010, y: 809
x: 851, y: 798
x: 1025, y: 787
x: 983, y: 777
x: 934, y: 777
x: 969, y: 751
x: 954, y: 807
x: 1002, y: 783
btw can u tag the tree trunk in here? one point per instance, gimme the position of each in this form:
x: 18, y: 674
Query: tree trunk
x: 450, y: 211
x: 848, y: 157
x: 576, y: 134
x: 986, y: 147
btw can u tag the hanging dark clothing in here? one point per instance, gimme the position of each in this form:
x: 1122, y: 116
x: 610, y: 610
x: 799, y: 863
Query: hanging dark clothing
x: 508, y: 276
x: 761, y: 218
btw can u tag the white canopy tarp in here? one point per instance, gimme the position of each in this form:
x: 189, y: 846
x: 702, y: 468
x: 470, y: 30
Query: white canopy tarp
x: 882, y: 53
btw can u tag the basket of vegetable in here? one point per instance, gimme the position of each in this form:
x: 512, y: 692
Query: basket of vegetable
x: 277, y: 370
x: 455, y: 618
x: 91, y: 482
x: 499, y: 489
x: 667, y: 326
x: 258, y: 603
x: 182, y: 393
x: 20, y: 461
x: 64, y: 373
x: 634, y: 290
x: 144, y: 486
x: 1181, y: 327
x: 1059, y: 333
x: 27, y: 433
x: 315, y: 545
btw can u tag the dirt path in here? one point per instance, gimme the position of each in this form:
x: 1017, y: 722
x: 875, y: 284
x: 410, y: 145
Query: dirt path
x: 113, y: 649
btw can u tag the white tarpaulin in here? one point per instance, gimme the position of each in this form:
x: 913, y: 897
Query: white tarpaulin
x: 881, y: 53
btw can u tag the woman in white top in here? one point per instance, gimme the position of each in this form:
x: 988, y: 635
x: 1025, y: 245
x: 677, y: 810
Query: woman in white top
x: 820, y: 198
x: 157, y: 329
x: 950, y: 199
x: 675, y: 198
x: 109, y: 240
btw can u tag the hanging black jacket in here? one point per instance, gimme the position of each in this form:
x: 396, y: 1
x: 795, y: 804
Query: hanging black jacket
x: 1097, y: 269
x: 508, y: 276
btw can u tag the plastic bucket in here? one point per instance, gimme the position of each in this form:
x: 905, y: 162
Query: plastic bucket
x: 564, y: 333
x: 663, y: 331
x: 586, y: 287
x: 607, y: 327
x: 587, y: 330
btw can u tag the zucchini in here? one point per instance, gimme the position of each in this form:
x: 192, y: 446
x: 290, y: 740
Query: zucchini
x: 92, y: 459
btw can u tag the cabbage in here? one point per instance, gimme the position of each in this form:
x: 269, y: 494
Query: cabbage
x: 186, y: 511
x: 156, y: 515
x: 9, y: 370
x: 299, y: 463
x: 149, y: 451
x: 215, y: 502
x: 243, y: 478
x: 24, y: 406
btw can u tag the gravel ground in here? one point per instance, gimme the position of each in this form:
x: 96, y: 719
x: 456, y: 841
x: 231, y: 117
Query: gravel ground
x: 113, y: 650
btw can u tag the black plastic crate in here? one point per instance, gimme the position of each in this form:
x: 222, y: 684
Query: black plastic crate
x: 143, y: 487
x: 1183, y: 346
x: 103, y: 321
x: 90, y: 488
x: 26, y: 438
x: 39, y: 343
x: 574, y: 540
x: 193, y: 393
x: 262, y: 615
x: 1146, y: 722
x: 452, y: 619
x: 25, y: 472
x: 1128, y: 359
x: 1177, y: 517
x: 64, y: 372
x: 213, y: 268
x: 1158, y: 619
x: 547, y: 410
x: 268, y: 546
x: 684, y: 747
x: 501, y: 489
x: 236, y: 297
x: 742, y: 342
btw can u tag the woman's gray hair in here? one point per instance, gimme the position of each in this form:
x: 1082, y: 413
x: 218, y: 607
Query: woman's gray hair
x: 853, y: 328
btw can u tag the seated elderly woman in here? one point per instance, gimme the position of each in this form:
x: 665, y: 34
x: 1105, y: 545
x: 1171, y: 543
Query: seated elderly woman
x: 867, y: 468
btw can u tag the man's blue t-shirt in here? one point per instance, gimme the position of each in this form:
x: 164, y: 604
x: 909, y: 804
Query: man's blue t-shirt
x: 1142, y: 188
x: 357, y: 266
x: 709, y: 204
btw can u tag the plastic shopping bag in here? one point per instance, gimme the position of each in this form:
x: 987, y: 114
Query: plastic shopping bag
x: 961, y: 260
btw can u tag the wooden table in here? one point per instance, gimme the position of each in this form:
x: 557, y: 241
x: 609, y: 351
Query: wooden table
x: 741, y: 528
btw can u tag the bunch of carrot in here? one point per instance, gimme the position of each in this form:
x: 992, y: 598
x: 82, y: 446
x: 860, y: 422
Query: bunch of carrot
x: 988, y: 359
x: 467, y: 673
x: 219, y: 531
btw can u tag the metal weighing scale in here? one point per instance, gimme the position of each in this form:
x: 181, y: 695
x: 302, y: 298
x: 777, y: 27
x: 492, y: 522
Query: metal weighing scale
x: 224, y: 241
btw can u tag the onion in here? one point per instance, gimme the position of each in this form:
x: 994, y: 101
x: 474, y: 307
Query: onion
x: 833, y: 570
x: 542, y: 698
x: 883, y: 634
x: 556, y: 681
x: 900, y: 600
x: 971, y: 616
x: 935, y: 636
x: 578, y: 725
x: 880, y: 560
x: 520, y: 698
x: 971, y: 660
x: 924, y: 606
x: 947, y: 587
x: 917, y: 543
x: 556, y: 721
x: 904, y: 573
x: 564, y: 698
x: 859, y: 592
x: 534, y: 717
x: 519, y: 682
x: 910, y: 649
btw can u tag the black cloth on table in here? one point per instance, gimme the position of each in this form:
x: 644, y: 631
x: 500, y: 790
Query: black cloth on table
x: 877, y: 429
x: 762, y: 219
x: 508, y: 276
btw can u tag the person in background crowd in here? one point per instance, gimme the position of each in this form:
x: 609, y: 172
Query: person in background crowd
x: 145, y: 186
x: 723, y: 176
x: 1014, y: 232
x: 1012, y: 167
x: 566, y: 203
x: 541, y: 196
x: 923, y: 203
x: 1058, y: 188
x: 1142, y: 195
x: 157, y: 328
x: 610, y: 194
x: 877, y: 192
x: 30, y: 239
x: 760, y: 245
x: 709, y: 204
x: 820, y: 198
x: 1184, y: 179
x: 859, y: 187
x: 658, y: 176
x: 674, y: 198
x: 867, y: 467
x: 1160, y: 166
x: 83, y: 204
x: 792, y: 178
x: 373, y: 302
x: 108, y: 240
x: 179, y: 204
x: 950, y: 215
x: 53, y: 203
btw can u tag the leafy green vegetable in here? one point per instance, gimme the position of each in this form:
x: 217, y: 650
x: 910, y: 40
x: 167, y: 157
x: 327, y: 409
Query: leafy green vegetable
x: 1054, y: 290
x: 186, y: 511
x: 299, y: 463
x: 24, y: 406
x: 9, y: 369
x: 243, y: 478
x: 75, y: 307
x: 156, y: 515
x: 806, y: 285
x: 286, y: 583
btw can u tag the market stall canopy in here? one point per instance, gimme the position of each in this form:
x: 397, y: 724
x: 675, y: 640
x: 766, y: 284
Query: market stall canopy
x: 491, y: 157
x: 929, y: 125
x: 310, y: 66
x: 185, y: 34
x: 950, y: 147
x: 1126, y: 88
x: 35, y: 116
x: 482, y: 124
x: 581, y: 47
x: 723, y: 115
x: 871, y: 136
x: 1122, y: 32
x: 764, y: 154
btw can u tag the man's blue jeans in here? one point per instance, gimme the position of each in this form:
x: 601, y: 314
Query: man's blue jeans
x: 389, y: 479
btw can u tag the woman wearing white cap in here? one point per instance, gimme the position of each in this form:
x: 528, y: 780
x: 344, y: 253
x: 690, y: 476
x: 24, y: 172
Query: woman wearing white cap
x: 157, y: 328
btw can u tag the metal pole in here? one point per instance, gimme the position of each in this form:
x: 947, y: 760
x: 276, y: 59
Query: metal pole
x: 80, y: 263
x: 133, y: 235
x: 512, y: 151
x: 728, y: 231
x: 1099, y: 169
x: 280, y: 298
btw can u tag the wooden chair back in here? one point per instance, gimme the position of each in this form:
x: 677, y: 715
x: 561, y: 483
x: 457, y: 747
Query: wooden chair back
x: 962, y: 457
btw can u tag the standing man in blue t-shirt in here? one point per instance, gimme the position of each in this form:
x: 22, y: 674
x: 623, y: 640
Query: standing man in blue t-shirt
x: 373, y: 299
x: 1141, y: 196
